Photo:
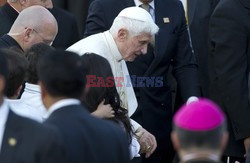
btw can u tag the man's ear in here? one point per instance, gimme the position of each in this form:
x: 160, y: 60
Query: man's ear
x: 2, y: 85
x: 27, y: 34
x: 22, y: 2
x: 224, y: 141
x: 43, y: 89
x: 18, y: 90
x: 175, y: 140
x: 122, y: 34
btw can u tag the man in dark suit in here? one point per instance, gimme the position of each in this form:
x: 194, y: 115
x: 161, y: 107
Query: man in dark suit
x: 67, y: 26
x: 68, y: 33
x: 86, y: 138
x: 172, y: 45
x: 229, y: 31
x: 198, y: 16
x: 24, y: 140
x: 79, y: 8
x: 28, y: 30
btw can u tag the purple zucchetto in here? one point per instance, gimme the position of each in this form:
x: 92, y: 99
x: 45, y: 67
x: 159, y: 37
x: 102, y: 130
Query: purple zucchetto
x: 201, y: 115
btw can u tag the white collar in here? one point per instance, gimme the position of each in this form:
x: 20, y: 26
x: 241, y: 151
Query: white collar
x: 138, y: 3
x: 61, y: 103
x: 198, y: 156
x: 110, y: 43
x: 32, y: 87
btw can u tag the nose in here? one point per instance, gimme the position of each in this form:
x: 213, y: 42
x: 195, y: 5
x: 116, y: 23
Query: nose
x: 144, y: 49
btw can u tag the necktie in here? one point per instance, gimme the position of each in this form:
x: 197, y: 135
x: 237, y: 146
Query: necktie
x: 145, y: 6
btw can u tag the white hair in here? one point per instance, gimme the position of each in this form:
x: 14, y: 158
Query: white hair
x: 12, y: 1
x: 134, y: 27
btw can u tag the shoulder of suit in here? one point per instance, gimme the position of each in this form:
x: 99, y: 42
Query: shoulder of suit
x: 31, y: 125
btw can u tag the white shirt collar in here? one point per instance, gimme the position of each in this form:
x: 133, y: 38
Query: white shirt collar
x: 112, y: 46
x: 138, y: 3
x: 60, y: 104
x: 4, y: 112
x: 32, y: 88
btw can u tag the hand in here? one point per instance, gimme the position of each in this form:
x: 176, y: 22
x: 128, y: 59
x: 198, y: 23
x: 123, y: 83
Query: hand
x: 247, y: 145
x: 147, y: 141
x: 104, y: 111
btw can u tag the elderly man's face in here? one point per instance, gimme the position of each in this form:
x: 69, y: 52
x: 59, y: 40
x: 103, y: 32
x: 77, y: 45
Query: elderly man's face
x: 135, y: 46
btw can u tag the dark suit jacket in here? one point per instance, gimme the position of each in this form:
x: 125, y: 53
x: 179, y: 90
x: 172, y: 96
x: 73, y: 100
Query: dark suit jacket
x: 88, y: 139
x: 172, y: 46
x: 6, y: 42
x: 230, y: 53
x: 35, y: 143
x: 199, y: 13
x: 7, y: 17
x: 77, y: 7
x: 67, y: 27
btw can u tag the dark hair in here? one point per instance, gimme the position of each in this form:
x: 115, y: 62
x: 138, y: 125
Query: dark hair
x: 3, y: 68
x: 210, y: 139
x: 17, y: 66
x: 33, y: 55
x: 61, y: 74
x: 96, y: 65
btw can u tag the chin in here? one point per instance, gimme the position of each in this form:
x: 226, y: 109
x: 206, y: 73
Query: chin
x: 130, y: 59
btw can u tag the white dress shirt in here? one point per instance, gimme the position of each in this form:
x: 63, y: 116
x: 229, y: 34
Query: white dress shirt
x: 4, y: 112
x: 18, y: 107
x: 184, y: 2
x: 31, y: 98
x: 30, y: 104
x: 61, y: 103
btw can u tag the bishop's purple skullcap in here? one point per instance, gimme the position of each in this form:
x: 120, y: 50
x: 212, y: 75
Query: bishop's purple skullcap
x: 201, y: 115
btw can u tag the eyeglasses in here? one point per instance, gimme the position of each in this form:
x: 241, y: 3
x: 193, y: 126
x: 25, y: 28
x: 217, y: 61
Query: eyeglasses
x: 48, y: 42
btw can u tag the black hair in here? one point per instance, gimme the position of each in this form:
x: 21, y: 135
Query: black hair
x: 33, y: 55
x: 17, y: 66
x: 98, y: 66
x: 3, y: 67
x: 210, y: 139
x: 61, y: 74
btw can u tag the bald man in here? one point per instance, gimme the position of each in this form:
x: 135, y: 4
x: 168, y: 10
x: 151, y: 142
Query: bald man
x: 66, y: 21
x: 33, y: 25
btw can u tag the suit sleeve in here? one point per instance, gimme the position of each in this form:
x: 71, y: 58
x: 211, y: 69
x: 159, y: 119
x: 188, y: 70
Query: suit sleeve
x: 96, y: 22
x: 228, y: 52
x: 184, y: 62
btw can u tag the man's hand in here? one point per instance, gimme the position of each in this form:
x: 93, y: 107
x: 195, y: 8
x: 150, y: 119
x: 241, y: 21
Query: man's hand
x: 247, y: 145
x: 146, y: 140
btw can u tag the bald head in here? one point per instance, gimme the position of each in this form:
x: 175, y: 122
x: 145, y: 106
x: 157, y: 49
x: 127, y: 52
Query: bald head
x: 34, y: 24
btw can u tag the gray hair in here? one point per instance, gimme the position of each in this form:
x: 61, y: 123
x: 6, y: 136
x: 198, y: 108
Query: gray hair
x: 134, y: 27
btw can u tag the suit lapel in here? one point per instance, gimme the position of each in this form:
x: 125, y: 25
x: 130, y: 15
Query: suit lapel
x: 245, y: 3
x: 191, y: 7
x: 161, y: 13
x: 11, y: 138
x: 130, y: 3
